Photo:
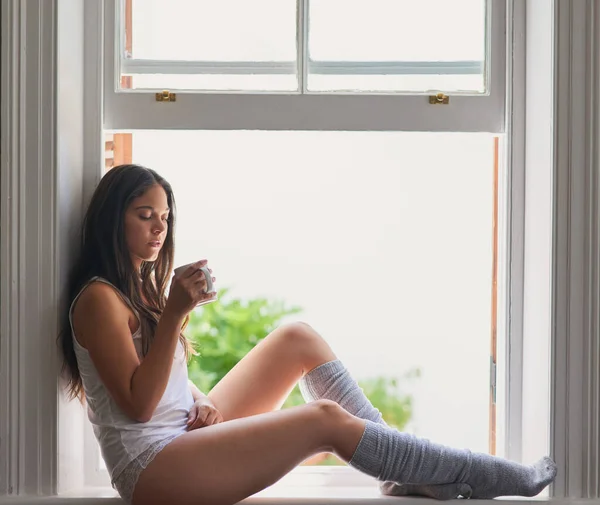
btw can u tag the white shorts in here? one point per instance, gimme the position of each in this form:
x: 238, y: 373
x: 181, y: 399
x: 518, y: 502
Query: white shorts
x: 125, y: 482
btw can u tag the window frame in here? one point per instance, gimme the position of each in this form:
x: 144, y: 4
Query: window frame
x: 70, y: 152
x: 340, y: 476
x: 117, y: 102
x: 138, y: 109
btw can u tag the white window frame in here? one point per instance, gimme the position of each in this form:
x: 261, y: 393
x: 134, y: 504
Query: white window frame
x: 50, y: 151
x: 137, y: 109
x: 273, y: 111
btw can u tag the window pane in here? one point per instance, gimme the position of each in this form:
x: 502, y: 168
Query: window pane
x: 384, y: 240
x: 227, y: 30
x: 404, y: 31
x: 201, y: 32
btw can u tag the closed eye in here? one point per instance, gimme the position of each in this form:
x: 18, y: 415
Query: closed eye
x: 148, y: 218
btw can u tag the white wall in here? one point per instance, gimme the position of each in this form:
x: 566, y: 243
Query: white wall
x: 69, y: 149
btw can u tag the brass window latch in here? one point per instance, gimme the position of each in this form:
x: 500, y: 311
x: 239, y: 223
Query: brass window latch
x: 439, y: 99
x: 166, y: 96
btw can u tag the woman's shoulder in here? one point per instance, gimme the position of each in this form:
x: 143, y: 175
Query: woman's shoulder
x: 97, y: 290
x: 101, y: 302
x: 98, y: 300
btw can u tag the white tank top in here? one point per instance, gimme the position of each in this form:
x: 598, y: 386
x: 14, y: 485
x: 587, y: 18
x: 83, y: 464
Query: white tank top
x: 122, y: 439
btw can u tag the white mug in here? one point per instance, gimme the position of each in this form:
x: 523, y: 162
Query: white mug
x: 209, y: 282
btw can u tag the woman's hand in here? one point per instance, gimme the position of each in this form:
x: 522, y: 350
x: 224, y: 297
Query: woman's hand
x: 203, y: 413
x: 188, y: 289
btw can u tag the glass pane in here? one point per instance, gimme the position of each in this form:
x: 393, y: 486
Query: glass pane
x: 224, y: 30
x: 403, y: 31
x: 383, y: 240
x: 206, y: 32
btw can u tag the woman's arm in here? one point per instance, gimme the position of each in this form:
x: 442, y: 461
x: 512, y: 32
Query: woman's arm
x: 150, y: 378
x: 196, y: 393
x: 101, y: 319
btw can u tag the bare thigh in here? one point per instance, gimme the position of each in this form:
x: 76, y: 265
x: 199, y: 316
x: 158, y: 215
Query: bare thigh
x: 264, y: 378
x: 227, y: 462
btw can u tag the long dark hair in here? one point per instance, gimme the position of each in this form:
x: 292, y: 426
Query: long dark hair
x: 104, y: 253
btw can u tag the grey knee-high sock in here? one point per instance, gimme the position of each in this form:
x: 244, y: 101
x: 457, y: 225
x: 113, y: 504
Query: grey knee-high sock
x: 390, y: 455
x: 333, y: 382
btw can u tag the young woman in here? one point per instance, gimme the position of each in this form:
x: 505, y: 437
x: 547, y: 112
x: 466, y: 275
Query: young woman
x: 164, y: 441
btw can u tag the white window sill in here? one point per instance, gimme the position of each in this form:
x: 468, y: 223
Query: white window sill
x: 279, y: 495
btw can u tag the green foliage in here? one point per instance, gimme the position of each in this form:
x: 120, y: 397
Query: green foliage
x: 386, y: 395
x: 226, y: 330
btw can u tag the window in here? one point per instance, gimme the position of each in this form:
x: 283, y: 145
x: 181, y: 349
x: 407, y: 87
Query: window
x: 356, y: 112
x: 560, y: 181
x: 382, y: 45
x: 47, y: 182
x: 286, y: 71
x: 372, y: 223
x: 368, y: 223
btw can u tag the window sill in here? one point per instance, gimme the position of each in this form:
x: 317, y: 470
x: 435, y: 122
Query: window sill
x: 278, y: 495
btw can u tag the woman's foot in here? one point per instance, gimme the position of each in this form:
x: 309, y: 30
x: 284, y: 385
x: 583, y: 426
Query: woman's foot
x: 436, y: 491
x: 492, y: 477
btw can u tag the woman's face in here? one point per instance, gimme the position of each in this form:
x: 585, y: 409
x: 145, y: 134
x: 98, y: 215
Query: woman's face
x: 146, y: 225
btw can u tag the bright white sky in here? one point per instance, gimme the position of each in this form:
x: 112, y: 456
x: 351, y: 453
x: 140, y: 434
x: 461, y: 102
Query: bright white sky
x: 385, y: 239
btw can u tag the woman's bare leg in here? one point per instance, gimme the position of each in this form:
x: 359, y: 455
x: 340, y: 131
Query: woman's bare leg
x: 264, y: 378
x: 224, y: 463
x: 227, y: 462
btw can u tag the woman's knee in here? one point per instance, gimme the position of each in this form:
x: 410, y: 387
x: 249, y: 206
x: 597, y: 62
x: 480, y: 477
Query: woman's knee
x: 337, y: 426
x: 297, y: 336
x: 304, y: 341
x: 298, y: 331
x: 329, y: 415
x: 328, y: 407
